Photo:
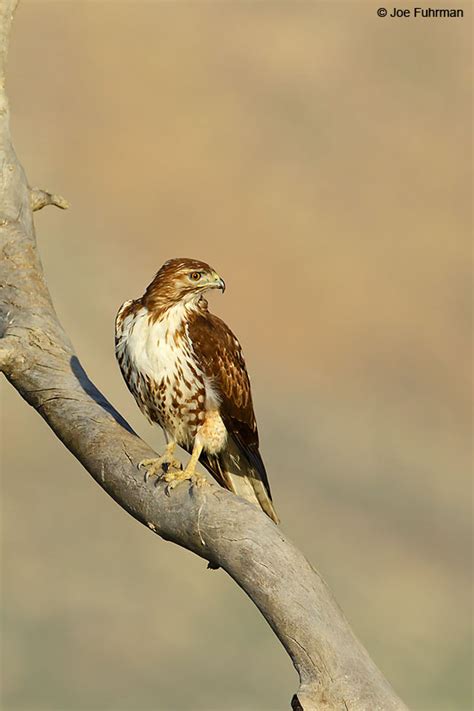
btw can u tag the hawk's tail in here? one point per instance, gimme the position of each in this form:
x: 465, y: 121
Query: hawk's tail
x: 242, y: 471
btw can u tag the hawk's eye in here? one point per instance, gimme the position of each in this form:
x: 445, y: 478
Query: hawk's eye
x: 195, y: 276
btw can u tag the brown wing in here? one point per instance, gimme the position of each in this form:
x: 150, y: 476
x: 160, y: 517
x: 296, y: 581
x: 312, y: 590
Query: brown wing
x: 220, y: 356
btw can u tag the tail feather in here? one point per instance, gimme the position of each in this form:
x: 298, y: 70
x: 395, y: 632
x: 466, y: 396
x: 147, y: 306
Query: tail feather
x: 243, y: 473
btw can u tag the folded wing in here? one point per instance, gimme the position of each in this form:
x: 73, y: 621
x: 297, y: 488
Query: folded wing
x: 239, y: 467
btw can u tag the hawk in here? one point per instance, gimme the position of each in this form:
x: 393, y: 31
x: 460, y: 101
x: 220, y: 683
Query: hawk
x: 185, y: 369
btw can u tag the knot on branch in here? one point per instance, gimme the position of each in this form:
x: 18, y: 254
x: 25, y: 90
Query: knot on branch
x: 8, y: 355
x: 41, y: 198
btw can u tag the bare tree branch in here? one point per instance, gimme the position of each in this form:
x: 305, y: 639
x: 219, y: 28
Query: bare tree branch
x: 41, y: 198
x: 38, y: 359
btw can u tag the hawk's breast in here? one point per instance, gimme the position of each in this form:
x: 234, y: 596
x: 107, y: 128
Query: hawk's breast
x: 157, y: 362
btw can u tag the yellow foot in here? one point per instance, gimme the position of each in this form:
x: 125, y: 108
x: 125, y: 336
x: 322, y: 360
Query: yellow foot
x: 159, y: 466
x: 173, y: 478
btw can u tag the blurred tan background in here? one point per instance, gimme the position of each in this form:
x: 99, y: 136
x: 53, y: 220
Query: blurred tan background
x: 319, y: 158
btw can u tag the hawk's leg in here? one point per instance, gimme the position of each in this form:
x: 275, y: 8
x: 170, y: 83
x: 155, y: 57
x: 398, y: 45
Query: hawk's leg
x: 173, y: 478
x: 161, y: 465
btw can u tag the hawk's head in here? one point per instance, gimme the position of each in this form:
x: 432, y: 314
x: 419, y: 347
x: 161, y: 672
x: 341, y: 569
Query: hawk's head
x: 181, y: 279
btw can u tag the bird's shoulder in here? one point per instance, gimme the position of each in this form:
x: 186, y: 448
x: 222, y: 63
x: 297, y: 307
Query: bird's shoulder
x: 126, y: 314
x: 214, y: 341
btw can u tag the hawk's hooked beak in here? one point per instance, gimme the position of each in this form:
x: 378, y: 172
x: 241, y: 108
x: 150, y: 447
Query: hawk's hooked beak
x: 216, y: 283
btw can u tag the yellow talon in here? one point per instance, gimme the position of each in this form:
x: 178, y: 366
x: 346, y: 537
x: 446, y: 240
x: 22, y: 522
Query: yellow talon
x: 173, y: 478
x: 171, y: 471
x: 161, y: 465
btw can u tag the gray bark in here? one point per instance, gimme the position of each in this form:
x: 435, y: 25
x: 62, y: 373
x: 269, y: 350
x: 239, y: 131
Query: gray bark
x: 38, y: 359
